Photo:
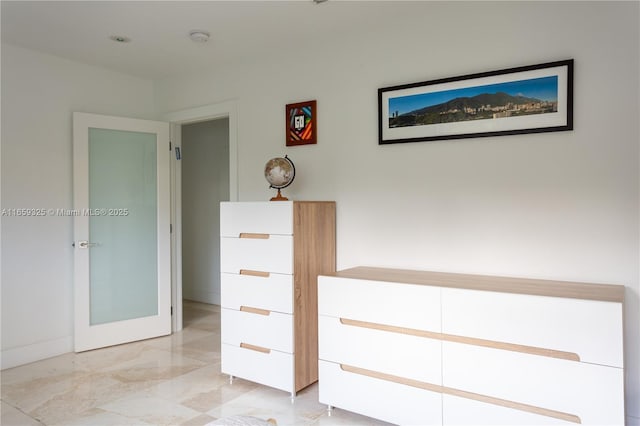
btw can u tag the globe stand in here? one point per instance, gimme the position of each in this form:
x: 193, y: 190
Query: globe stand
x: 279, y: 197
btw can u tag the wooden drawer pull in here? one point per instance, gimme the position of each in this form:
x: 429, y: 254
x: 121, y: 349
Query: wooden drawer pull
x: 568, y: 417
x: 255, y: 310
x: 391, y: 328
x: 254, y: 236
x: 463, y: 394
x: 255, y: 348
x: 254, y: 273
x: 533, y: 350
x: 391, y: 378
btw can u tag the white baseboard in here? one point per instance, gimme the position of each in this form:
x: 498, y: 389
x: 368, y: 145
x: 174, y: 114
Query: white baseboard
x: 36, y: 352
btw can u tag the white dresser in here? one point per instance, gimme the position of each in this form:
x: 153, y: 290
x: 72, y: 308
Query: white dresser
x: 412, y: 347
x: 270, y: 256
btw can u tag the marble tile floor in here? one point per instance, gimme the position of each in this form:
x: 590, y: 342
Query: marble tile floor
x: 172, y: 380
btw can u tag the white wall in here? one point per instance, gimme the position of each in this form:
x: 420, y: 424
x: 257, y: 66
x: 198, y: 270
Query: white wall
x: 205, y: 182
x: 39, y: 94
x: 561, y: 206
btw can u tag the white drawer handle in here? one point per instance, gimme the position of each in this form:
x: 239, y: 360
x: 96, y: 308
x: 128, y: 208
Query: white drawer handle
x: 254, y: 273
x: 254, y: 236
x: 255, y: 348
x: 255, y: 310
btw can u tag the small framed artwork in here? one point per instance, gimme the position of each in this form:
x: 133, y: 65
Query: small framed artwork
x: 301, y: 123
x: 529, y: 99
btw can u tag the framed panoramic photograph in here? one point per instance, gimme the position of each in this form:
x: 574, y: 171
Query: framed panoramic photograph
x: 530, y: 99
x: 301, y: 124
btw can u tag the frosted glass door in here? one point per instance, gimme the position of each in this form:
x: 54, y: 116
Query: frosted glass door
x: 121, y: 199
x: 123, y: 264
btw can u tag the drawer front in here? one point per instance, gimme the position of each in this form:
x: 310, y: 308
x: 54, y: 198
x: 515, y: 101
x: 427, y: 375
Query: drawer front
x: 274, y: 254
x: 400, y: 305
x: 272, y: 331
x: 594, y: 393
x: 381, y: 399
x: 402, y: 355
x: 590, y: 329
x: 256, y: 217
x: 274, y: 369
x: 273, y: 292
x: 463, y: 411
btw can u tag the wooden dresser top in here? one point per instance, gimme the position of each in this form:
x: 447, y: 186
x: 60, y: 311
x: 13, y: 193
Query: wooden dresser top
x: 575, y: 290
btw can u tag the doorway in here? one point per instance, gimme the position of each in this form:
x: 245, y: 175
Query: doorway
x: 226, y: 111
x: 205, y: 183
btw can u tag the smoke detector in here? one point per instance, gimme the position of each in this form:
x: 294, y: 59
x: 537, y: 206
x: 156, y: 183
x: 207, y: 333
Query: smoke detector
x: 120, y: 38
x: 199, y: 36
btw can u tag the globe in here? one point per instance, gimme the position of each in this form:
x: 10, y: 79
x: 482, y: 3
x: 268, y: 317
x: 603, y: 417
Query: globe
x: 279, y: 172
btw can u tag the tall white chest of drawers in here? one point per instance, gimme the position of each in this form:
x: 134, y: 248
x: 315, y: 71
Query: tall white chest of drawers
x: 428, y: 348
x: 270, y: 256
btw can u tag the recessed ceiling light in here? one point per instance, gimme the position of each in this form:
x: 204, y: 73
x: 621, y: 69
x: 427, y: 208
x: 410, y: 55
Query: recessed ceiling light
x: 199, y: 36
x: 120, y: 38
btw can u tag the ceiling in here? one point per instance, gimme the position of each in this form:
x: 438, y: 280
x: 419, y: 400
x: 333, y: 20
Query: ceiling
x: 160, y: 47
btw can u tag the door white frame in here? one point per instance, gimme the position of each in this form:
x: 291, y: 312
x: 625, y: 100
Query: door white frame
x: 86, y: 335
x: 227, y: 109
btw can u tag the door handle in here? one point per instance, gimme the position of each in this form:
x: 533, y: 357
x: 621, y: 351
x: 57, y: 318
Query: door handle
x: 87, y: 244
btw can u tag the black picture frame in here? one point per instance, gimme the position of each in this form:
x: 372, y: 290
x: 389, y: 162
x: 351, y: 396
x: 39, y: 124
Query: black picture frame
x: 529, y: 99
